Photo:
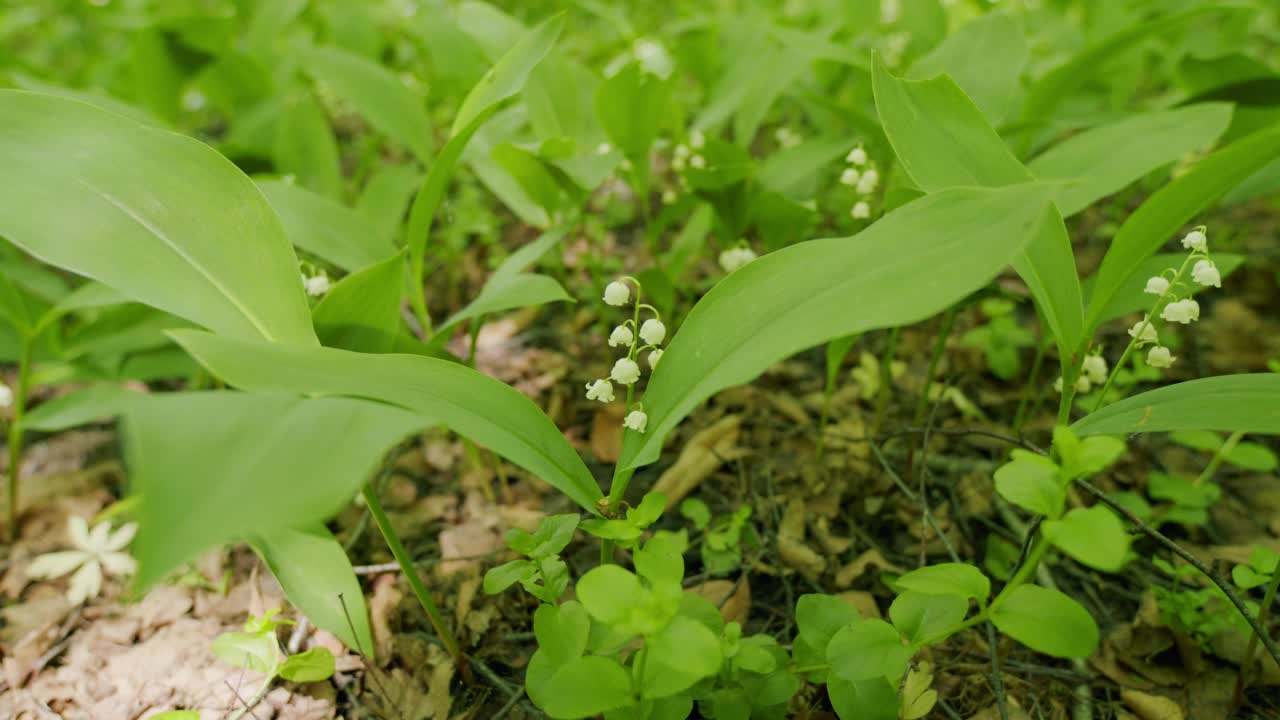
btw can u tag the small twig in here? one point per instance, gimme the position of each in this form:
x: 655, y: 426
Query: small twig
x: 247, y: 706
x: 997, y: 681
x: 1178, y: 550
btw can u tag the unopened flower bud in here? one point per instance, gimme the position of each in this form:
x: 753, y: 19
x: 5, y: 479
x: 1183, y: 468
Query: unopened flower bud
x: 652, y: 331
x: 1157, y: 285
x: 1159, y: 357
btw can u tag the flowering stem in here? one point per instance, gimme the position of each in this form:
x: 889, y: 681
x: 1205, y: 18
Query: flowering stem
x: 1146, y: 322
x: 15, y: 433
x: 411, y: 573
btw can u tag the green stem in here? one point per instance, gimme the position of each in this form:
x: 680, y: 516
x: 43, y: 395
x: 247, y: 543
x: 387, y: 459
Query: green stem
x: 411, y: 573
x: 886, y: 377
x: 1264, y: 613
x: 1218, y: 457
x: 939, y: 346
x: 15, y: 433
x: 1029, y: 389
x: 248, y: 706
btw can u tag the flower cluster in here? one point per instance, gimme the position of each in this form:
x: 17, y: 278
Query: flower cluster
x: 737, y: 256
x: 316, y: 285
x: 630, y: 335
x: 690, y: 155
x: 862, y: 176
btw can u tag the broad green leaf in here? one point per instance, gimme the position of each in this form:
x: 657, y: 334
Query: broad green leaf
x: 313, y: 665
x: 362, y: 311
x: 585, y: 687
x: 1047, y: 621
x: 316, y: 575
x: 1094, y: 536
x: 90, y: 96
x: 384, y: 202
x: 630, y: 107
x: 679, y: 656
x: 868, y: 649
x: 215, y: 467
x: 533, y: 176
x: 500, y: 578
x: 1060, y: 83
x: 819, y: 617
x: 943, y: 141
x: 1154, y: 222
x: 1247, y: 402
x: 255, y: 651
x: 562, y: 631
x: 440, y: 392
x: 184, y: 230
x: 925, y: 618
x: 1085, y: 457
x: 518, y: 291
x: 1102, y: 160
x: 376, y: 93
x: 794, y: 172
x: 874, y: 699
x: 1030, y: 481
x: 947, y: 579
x: 553, y: 534
x: 157, y: 76
x: 508, y: 75
x: 95, y: 403
x: 985, y: 57
x: 326, y: 228
x: 911, y: 264
x: 305, y: 147
x: 609, y: 593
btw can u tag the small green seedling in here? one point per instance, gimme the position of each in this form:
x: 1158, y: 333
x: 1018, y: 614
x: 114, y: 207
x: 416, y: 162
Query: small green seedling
x: 1199, y: 613
x: 543, y: 575
x: 1002, y: 339
x: 724, y: 536
x: 257, y: 649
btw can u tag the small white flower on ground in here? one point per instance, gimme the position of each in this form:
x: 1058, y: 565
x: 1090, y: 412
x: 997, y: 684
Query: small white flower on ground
x: 617, y: 293
x: 868, y: 182
x: 1182, y: 311
x: 849, y: 177
x: 1144, y: 332
x: 1197, y: 241
x: 697, y: 161
x: 1159, y: 357
x: 861, y: 210
x: 735, y: 258
x: 636, y: 420
x: 318, y: 285
x: 6, y: 395
x: 621, y: 335
x: 1156, y: 285
x: 96, y: 551
x: 604, y: 149
x: 652, y: 331
x: 1057, y: 385
x: 697, y: 139
x: 1083, y: 384
x: 601, y: 390
x: 856, y: 156
x: 1206, y: 273
x: 625, y: 371
x: 654, y: 358
x: 1095, y: 368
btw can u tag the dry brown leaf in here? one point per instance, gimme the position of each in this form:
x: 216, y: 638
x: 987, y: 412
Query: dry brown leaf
x: 855, y: 569
x: 1152, y: 707
x: 706, y: 451
x: 993, y: 712
x: 733, y: 598
x: 606, y: 432
x: 863, y: 602
x: 791, y: 546
x: 382, y: 608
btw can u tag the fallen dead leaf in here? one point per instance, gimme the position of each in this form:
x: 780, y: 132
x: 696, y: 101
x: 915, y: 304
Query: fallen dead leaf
x: 863, y: 602
x: 606, y: 432
x: 705, y: 452
x: 382, y: 608
x: 733, y: 598
x: 792, y: 548
x: 1152, y: 707
x: 870, y: 559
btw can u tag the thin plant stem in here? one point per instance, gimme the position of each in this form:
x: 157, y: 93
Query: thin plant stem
x: 15, y: 433
x: 939, y: 346
x: 411, y: 573
x: 1264, y: 613
x: 251, y: 703
x: 1218, y: 457
x: 886, y: 376
x: 1029, y: 389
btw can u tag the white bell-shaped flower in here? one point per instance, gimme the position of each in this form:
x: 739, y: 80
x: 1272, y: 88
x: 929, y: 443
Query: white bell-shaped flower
x: 1196, y: 241
x: 861, y: 210
x: 849, y: 177
x: 621, y: 336
x: 652, y: 331
x: 1160, y: 357
x: 625, y: 371
x: 601, y: 390
x: 1182, y: 311
x: 617, y: 293
x: 1206, y: 273
x: 682, y: 152
x: 1057, y: 385
x: 318, y: 285
x: 856, y: 156
x: 654, y: 358
x: 697, y: 139
x: 735, y: 258
x: 636, y: 420
x: 6, y: 395
x: 868, y: 183
x: 1156, y: 285
x: 697, y: 161
x: 1143, y: 332
x: 1095, y: 368
x: 1083, y: 384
